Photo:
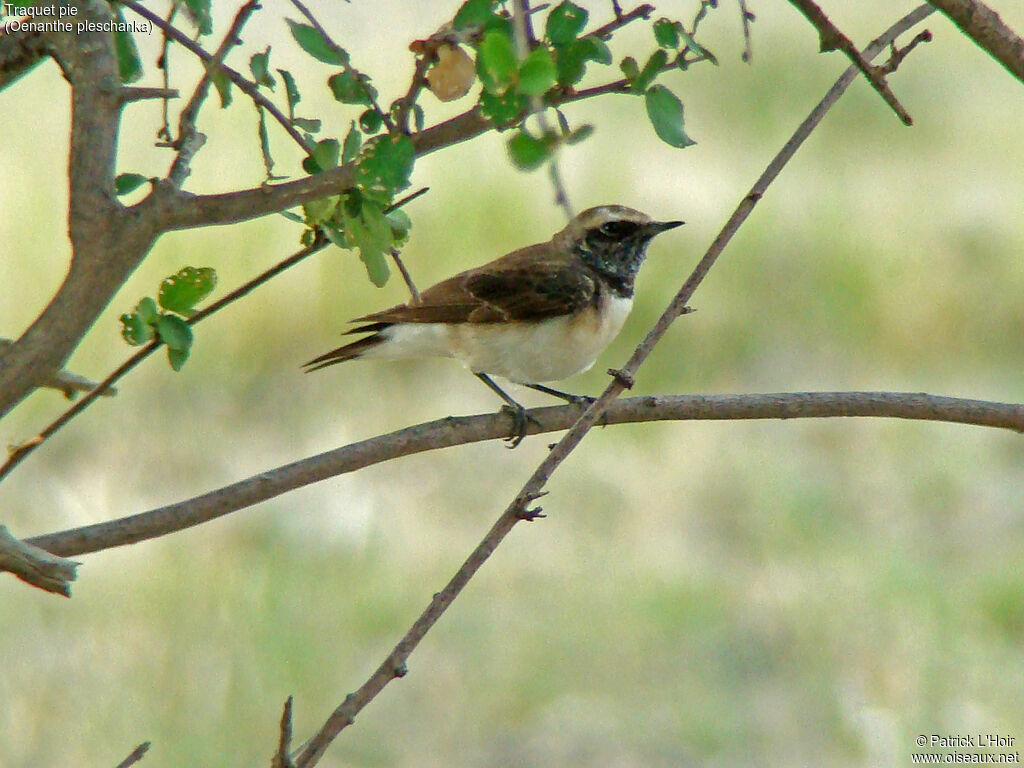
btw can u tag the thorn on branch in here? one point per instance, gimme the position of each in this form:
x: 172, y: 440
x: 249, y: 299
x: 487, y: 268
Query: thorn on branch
x: 137, y: 754
x: 625, y: 378
x: 282, y: 758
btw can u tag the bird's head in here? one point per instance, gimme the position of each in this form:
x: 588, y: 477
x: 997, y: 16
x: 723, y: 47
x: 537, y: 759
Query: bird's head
x: 613, y: 240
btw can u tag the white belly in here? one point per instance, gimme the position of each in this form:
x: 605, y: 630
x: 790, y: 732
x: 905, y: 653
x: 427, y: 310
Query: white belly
x: 529, y: 353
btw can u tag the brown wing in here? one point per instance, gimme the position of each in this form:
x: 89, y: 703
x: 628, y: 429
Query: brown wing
x: 528, y: 284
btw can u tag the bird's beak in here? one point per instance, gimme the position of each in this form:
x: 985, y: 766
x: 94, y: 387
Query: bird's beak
x: 657, y: 227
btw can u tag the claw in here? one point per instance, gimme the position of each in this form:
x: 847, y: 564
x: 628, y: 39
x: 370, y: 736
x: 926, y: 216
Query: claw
x: 520, y: 424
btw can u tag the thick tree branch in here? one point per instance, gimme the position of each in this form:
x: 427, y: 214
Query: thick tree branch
x: 20, y: 52
x: 105, y: 250
x: 463, y: 430
x: 984, y: 27
x: 36, y: 566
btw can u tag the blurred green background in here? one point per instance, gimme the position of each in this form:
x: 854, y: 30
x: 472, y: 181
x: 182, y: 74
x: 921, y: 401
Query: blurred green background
x: 726, y: 594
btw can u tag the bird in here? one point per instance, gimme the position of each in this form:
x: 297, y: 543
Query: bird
x: 538, y: 314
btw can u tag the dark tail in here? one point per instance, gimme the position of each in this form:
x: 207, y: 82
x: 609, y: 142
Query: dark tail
x: 350, y: 351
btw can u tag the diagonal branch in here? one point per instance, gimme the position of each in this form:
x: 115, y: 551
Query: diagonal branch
x: 833, y: 39
x: 984, y: 27
x: 394, y: 665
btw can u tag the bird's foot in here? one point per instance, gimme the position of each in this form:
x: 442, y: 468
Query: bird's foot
x: 520, y: 424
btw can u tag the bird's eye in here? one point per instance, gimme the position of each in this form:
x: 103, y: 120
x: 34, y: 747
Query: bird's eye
x: 617, y: 229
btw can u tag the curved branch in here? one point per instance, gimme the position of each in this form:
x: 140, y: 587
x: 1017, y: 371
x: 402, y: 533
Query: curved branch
x: 462, y: 430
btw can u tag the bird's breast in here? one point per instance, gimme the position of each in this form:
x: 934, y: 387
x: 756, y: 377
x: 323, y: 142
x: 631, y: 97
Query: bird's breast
x: 535, y: 352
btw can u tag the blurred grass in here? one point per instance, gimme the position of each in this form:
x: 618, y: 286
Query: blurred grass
x: 707, y: 594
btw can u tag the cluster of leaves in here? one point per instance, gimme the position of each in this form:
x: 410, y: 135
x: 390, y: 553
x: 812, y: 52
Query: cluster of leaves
x: 177, y: 296
x: 559, y: 62
x: 383, y: 158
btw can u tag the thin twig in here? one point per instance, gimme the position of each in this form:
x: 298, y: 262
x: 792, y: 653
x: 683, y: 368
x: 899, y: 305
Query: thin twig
x: 245, y: 85
x: 163, y: 62
x: 833, y: 39
x: 414, y: 294
x: 520, y: 508
x: 385, y: 118
x: 746, y: 17
x: 622, y: 19
x: 187, y: 119
x: 523, y: 30
x: 19, y: 453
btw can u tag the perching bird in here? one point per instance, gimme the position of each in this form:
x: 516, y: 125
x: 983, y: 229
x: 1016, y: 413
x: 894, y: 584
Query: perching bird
x: 541, y: 313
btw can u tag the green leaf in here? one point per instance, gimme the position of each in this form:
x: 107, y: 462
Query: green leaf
x: 174, y: 332
x: 502, y: 109
x: 537, y: 73
x: 386, y: 163
x: 313, y: 43
x: 129, y: 182
x: 325, y: 156
x: 581, y: 133
x: 665, y: 111
x: 291, y: 216
x: 136, y: 327
x: 307, y: 124
x: 260, y: 66
x: 187, y: 287
x: 496, y: 62
x: 564, y: 23
x: 349, y: 88
x: 177, y: 358
x: 370, y: 121
x: 473, y: 13
x: 370, y: 231
x: 353, y: 140
x: 666, y: 32
x: 147, y: 310
x: 650, y: 71
x: 319, y: 211
x: 199, y: 11
x: 400, y: 225
x: 572, y: 58
x: 528, y: 153
x: 222, y: 83
x: 629, y: 68
x: 292, y: 91
x: 129, y: 65
x: 268, y: 160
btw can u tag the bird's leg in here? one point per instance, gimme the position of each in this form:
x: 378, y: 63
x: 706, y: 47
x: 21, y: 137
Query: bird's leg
x: 519, y: 415
x: 569, y: 398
